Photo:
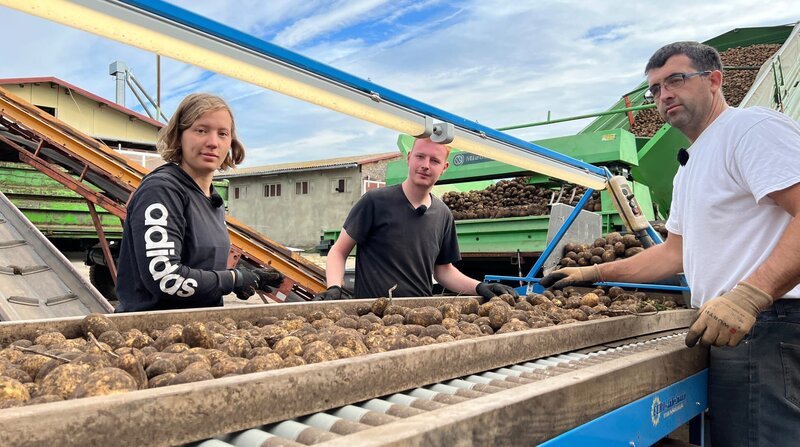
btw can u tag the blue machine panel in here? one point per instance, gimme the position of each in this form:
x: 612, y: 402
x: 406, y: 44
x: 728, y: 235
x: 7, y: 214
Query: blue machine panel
x: 645, y: 421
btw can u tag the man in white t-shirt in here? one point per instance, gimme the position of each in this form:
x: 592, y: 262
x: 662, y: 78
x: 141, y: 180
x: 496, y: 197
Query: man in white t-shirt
x: 734, y: 231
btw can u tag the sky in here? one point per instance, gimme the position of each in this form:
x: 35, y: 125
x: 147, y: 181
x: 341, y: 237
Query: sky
x: 497, y: 62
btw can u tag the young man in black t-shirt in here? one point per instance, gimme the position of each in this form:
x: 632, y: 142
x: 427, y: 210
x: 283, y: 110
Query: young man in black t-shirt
x: 405, y: 236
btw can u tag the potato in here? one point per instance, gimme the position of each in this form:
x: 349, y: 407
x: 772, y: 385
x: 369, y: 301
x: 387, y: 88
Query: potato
x: 393, y: 319
x: 379, y: 305
x: 12, y: 354
x: 414, y: 329
x: 93, y: 361
x: 169, y: 336
x: 424, y: 316
x: 97, y: 324
x: 266, y: 321
x: 347, y: 322
x: 263, y: 363
x: 112, y: 338
x: 292, y: 324
x: 450, y: 310
x: 513, y: 326
x: 319, y: 351
x: 293, y: 360
x: 130, y: 365
x: 31, y: 363
x: 191, y: 375
x: 50, y: 338
x: 160, y: 366
x: 182, y: 361
x: 590, y: 299
x: 334, y: 313
x: 255, y: 352
x: 633, y: 251
x: 274, y: 333
x: 105, y: 382
x: 350, y: 340
x: 470, y: 306
x: 196, y: 334
x: 161, y: 380
x: 287, y: 346
x: 433, y: 331
x: 228, y: 366
x: 236, y: 346
x: 11, y: 389
x: 63, y: 380
x: 498, y: 316
x: 394, y: 309
x: 396, y: 342
x: 17, y: 374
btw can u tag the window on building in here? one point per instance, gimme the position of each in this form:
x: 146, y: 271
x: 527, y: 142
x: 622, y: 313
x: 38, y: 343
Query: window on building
x: 339, y: 185
x: 236, y: 192
x: 49, y: 110
x: 240, y: 192
x: 273, y: 190
x: 301, y: 188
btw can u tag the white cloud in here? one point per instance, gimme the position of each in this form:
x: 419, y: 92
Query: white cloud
x: 494, y: 61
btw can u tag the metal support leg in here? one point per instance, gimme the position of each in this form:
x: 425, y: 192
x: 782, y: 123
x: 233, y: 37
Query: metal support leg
x: 112, y: 268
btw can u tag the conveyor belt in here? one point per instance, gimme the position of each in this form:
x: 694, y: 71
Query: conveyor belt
x: 185, y: 413
x: 105, y: 178
x: 36, y: 280
x: 407, y: 416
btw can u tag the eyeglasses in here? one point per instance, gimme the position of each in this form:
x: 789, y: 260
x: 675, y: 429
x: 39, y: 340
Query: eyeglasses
x: 671, y: 83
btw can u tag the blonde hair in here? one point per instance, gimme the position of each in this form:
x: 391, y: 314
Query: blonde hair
x: 445, y: 146
x: 190, y: 110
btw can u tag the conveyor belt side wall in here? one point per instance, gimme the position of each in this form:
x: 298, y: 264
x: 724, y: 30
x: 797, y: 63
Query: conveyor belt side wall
x: 36, y: 280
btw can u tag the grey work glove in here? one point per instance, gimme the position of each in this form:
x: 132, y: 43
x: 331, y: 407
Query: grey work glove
x: 726, y: 319
x: 490, y: 290
x: 333, y: 293
x: 571, y: 276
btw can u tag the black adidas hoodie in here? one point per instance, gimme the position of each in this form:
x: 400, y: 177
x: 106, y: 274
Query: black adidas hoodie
x: 174, y: 245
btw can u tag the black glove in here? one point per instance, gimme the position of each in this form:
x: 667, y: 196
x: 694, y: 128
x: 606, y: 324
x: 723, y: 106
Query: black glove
x: 490, y: 290
x: 268, y: 277
x: 248, y: 281
x: 333, y: 293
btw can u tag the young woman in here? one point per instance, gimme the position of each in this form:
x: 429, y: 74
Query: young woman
x: 175, y: 244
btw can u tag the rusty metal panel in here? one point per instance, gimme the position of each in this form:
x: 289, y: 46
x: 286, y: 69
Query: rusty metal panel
x: 36, y: 280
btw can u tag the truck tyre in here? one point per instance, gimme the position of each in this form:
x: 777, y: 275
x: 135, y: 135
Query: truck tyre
x: 100, y: 277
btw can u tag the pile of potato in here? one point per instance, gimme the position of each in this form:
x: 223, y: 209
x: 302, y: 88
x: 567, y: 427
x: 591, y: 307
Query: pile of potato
x: 52, y: 368
x: 514, y: 198
x: 605, y: 249
x: 735, y: 85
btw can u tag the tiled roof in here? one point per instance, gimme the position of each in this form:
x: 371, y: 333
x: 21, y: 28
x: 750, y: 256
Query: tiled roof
x: 312, y: 165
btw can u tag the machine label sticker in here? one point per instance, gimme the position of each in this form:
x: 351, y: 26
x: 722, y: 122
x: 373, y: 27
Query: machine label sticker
x: 465, y: 158
x: 659, y: 410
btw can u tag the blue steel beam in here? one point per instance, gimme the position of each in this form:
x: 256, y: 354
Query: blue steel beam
x: 212, y: 28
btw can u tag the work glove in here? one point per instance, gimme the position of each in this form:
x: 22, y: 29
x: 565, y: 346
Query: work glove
x: 331, y: 294
x: 490, y: 290
x: 571, y: 276
x: 726, y: 319
x: 248, y: 281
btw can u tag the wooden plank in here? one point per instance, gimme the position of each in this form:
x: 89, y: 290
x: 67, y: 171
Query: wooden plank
x: 183, y: 413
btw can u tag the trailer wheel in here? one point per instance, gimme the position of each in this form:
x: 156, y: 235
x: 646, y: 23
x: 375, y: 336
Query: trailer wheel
x: 100, y: 277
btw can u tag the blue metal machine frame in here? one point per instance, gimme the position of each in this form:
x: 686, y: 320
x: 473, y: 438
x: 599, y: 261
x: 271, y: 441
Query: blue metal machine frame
x: 647, y: 420
x: 533, y: 282
x: 226, y: 33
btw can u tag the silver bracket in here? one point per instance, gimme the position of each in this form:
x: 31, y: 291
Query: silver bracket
x: 443, y: 133
x: 428, y: 128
